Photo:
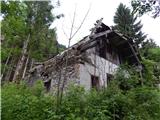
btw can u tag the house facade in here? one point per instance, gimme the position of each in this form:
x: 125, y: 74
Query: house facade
x: 91, y: 62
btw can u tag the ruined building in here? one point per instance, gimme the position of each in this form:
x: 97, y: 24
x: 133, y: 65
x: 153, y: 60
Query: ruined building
x: 91, y: 62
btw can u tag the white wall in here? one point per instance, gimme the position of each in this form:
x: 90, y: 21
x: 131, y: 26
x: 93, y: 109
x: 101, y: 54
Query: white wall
x: 102, y: 68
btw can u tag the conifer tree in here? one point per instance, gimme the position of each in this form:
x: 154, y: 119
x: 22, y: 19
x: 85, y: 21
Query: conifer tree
x: 126, y: 23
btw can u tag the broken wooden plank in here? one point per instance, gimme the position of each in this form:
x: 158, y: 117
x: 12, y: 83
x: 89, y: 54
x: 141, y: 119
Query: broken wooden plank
x: 87, y: 46
x: 99, y: 22
x: 94, y: 36
x: 133, y: 50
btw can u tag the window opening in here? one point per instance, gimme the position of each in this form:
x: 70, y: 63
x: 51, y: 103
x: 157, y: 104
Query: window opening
x: 95, y: 82
x: 47, y: 85
x: 109, y: 78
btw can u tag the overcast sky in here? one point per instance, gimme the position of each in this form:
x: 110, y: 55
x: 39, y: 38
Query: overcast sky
x: 99, y: 9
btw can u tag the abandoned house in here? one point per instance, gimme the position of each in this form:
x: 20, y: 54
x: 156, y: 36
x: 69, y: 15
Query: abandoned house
x: 91, y: 62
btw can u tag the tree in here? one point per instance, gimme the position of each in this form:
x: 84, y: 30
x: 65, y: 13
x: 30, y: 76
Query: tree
x: 39, y: 21
x: 13, y: 30
x: 151, y: 59
x: 126, y: 23
x: 145, y: 6
x: 27, y: 36
x: 146, y: 45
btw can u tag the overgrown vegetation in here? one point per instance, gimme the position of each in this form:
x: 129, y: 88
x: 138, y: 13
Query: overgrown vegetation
x: 123, y: 99
x: 146, y: 6
x: 127, y: 23
x: 27, y: 37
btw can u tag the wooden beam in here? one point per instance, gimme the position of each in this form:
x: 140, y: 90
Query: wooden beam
x: 134, y: 53
x: 121, y: 36
x: 100, y: 34
x: 94, y: 38
x: 87, y: 46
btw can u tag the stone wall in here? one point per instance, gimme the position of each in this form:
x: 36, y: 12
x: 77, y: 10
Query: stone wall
x: 54, y: 71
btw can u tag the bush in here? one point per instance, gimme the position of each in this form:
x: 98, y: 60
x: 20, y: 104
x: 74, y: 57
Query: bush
x: 145, y: 102
x: 20, y: 102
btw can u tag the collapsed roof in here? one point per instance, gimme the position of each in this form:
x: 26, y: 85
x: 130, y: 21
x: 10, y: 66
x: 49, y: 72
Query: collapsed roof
x: 76, y: 53
x: 125, y: 45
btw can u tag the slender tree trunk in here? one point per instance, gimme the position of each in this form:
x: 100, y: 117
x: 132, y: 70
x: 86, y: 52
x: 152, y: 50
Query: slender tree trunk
x: 25, y: 68
x: 59, y: 81
x: 57, y: 47
x: 10, y: 70
x: 8, y: 75
x: 58, y: 92
x: 141, y: 77
x: 21, y: 61
x: 7, y: 61
x: 69, y: 40
x: 31, y: 64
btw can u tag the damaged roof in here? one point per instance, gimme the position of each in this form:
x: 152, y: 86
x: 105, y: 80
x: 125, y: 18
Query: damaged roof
x: 124, y: 44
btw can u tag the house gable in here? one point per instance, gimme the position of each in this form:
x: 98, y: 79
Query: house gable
x: 94, y: 57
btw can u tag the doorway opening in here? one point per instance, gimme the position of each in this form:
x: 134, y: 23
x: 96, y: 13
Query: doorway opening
x: 95, y: 82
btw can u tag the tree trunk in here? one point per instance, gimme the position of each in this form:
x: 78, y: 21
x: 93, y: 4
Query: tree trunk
x: 21, y: 61
x: 25, y: 68
x: 10, y: 70
x: 58, y: 91
x: 31, y: 64
x: 7, y: 61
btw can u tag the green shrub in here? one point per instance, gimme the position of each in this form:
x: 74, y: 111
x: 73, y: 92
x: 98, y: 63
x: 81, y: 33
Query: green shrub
x: 20, y: 102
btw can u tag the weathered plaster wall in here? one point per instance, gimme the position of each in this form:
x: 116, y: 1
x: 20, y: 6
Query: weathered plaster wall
x: 72, y: 77
x: 99, y: 68
x: 79, y: 69
x: 54, y: 71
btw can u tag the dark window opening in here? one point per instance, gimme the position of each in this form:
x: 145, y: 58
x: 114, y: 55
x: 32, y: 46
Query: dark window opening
x: 109, y: 78
x: 47, y: 85
x: 95, y: 82
x: 102, y: 52
x: 121, y: 58
x: 112, y: 54
x: 107, y: 51
x: 101, y: 48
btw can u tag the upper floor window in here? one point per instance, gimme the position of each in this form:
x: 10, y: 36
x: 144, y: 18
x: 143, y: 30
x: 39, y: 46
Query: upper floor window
x: 107, y: 51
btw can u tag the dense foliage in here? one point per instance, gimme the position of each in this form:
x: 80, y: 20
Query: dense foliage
x: 26, y: 36
x: 20, y: 102
x: 145, y: 6
x: 126, y: 23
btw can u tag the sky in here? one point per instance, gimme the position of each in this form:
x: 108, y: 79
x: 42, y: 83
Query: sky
x: 98, y: 9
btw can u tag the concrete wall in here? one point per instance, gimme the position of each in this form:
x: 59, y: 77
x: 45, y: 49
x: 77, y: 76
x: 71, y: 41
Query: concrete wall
x: 101, y: 68
x: 72, y: 77
x: 78, y: 72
